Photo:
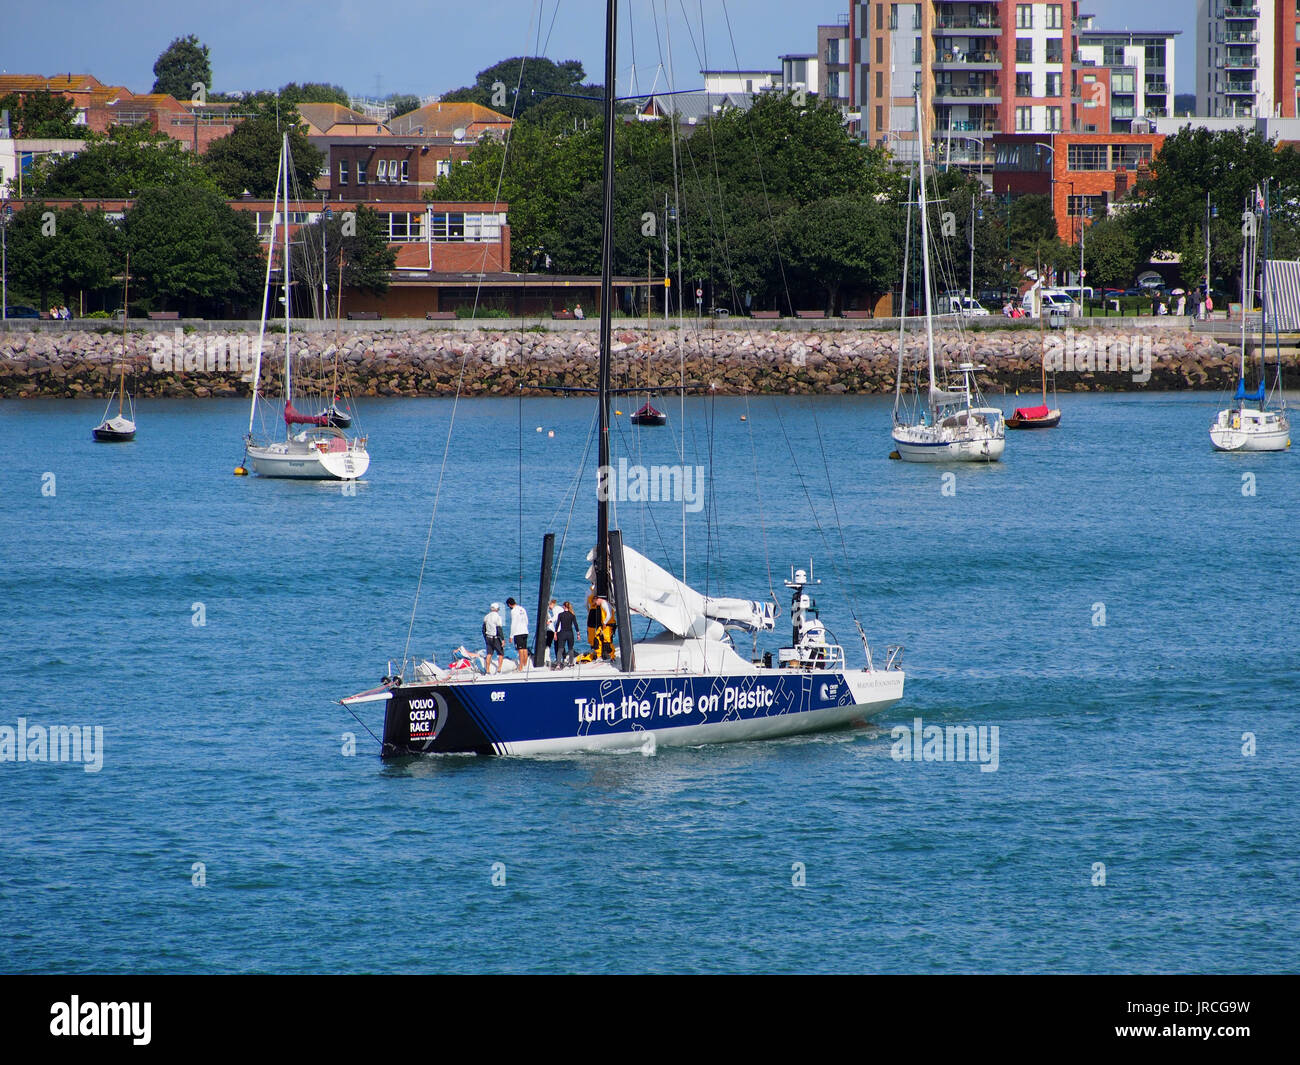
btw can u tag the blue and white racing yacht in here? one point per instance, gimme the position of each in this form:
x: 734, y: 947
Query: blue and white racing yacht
x: 685, y: 685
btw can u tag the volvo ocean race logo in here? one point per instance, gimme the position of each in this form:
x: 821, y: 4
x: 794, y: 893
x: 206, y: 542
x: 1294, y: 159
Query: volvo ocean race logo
x: 426, y: 718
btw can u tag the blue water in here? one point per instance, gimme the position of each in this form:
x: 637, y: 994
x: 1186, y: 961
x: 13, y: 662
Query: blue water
x: 1120, y: 743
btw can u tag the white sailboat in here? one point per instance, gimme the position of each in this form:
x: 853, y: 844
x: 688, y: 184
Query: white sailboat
x: 313, y: 447
x: 955, y: 424
x: 685, y: 684
x: 118, y: 428
x: 1243, y: 427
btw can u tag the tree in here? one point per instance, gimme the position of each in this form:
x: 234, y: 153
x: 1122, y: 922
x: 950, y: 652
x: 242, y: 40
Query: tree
x: 1110, y: 253
x: 248, y: 157
x: 362, y: 240
x: 183, y: 65
x: 41, y: 114
x: 842, y: 240
x: 519, y: 87
x: 402, y: 104
x: 61, y: 251
x: 313, y: 92
x: 192, y: 250
x: 122, y: 164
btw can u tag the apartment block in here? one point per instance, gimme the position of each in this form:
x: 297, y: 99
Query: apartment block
x: 1140, y: 75
x: 1247, y: 58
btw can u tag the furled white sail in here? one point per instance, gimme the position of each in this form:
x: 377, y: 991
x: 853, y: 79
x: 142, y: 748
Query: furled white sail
x: 655, y: 593
x: 941, y: 398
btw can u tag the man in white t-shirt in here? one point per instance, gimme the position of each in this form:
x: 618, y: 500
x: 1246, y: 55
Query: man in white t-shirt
x: 492, y: 638
x: 519, y: 631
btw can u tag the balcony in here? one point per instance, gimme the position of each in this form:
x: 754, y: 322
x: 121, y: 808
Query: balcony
x: 949, y: 23
x: 980, y: 93
x: 1239, y: 88
x: 960, y: 59
x: 1239, y: 62
x: 1239, y: 11
x: 1239, y: 37
x: 1157, y: 88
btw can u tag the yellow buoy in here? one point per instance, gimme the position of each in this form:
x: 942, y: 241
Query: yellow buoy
x: 619, y: 413
x: 240, y: 471
x: 895, y: 455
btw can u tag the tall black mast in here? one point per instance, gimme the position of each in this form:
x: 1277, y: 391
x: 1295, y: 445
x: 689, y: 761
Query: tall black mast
x: 606, y: 299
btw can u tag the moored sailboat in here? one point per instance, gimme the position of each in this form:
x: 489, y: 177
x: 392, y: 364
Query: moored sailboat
x: 955, y: 425
x: 1244, y: 427
x: 1041, y: 416
x: 119, y: 428
x: 314, y: 446
x: 685, y: 685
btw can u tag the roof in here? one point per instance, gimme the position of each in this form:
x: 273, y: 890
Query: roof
x: 692, y: 106
x: 40, y: 82
x: 326, y: 117
x: 442, y: 119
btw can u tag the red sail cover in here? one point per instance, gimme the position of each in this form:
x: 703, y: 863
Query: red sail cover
x: 292, y: 417
x: 1031, y: 414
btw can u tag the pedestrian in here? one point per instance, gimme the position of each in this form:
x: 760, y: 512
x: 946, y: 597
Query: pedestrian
x: 1182, y: 305
x: 577, y: 312
x: 566, y: 628
x: 493, y: 640
x: 552, y: 611
x: 519, y: 631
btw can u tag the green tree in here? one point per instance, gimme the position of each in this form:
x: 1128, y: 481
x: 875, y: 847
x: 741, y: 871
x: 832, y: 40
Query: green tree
x: 841, y: 241
x: 403, y: 103
x: 182, y: 65
x: 1110, y: 254
x: 190, y: 250
x: 61, y: 251
x: 248, y: 157
x: 122, y: 164
x: 313, y: 92
x: 362, y: 241
x: 41, y: 114
x: 520, y: 87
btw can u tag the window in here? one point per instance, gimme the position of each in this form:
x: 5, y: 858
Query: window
x: 443, y: 167
x: 1054, y: 119
x: 893, y: 17
x: 880, y: 49
x: 1024, y: 50
x: 1024, y: 17
x: 1088, y: 157
x: 1053, y: 16
x: 343, y: 172
x: 916, y: 51
x: 405, y: 172
x: 1055, y: 50
x: 1081, y: 206
x: 1053, y: 84
x: 1024, y: 85
x: 381, y: 171
x: 361, y: 172
x: 1024, y: 119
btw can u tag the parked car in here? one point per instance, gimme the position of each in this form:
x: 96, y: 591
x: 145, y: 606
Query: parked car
x: 1056, y: 304
x: 21, y: 310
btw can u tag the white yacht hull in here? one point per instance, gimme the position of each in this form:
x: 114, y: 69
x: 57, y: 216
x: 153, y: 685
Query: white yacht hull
x: 1250, y: 431
x: 916, y: 447
x: 308, y: 462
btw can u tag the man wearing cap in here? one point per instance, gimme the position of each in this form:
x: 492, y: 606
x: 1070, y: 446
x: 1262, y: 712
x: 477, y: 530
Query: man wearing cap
x: 492, y: 638
x: 519, y: 631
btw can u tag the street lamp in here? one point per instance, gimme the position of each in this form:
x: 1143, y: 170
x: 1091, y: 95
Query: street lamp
x: 1051, y: 195
x: 1210, y: 212
x: 4, y: 262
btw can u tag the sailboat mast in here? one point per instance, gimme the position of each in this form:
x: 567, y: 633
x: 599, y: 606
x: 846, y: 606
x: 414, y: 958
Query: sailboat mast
x: 288, y: 348
x: 266, y: 305
x: 126, y: 302
x: 606, y: 299
x: 925, y: 250
x: 902, y: 297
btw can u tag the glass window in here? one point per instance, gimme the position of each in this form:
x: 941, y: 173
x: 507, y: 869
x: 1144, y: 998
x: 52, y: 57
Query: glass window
x: 405, y: 172
x: 343, y: 172
x: 1054, y: 118
x: 1024, y: 17
x: 1024, y: 119
x: 1055, y: 50
x: 1053, y: 84
x: 1024, y: 50
x: 1053, y: 16
x: 1024, y: 85
x: 361, y: 172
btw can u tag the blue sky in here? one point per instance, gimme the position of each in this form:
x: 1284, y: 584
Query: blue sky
x: 428, y: 46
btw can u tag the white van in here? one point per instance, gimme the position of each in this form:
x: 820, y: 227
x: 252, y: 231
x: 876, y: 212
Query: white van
x: 966, y: 306
x: 1055, y: 303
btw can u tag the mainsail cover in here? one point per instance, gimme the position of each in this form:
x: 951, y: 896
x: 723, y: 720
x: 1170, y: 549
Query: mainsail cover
x: 293, y: 417
x: 655, y: 593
